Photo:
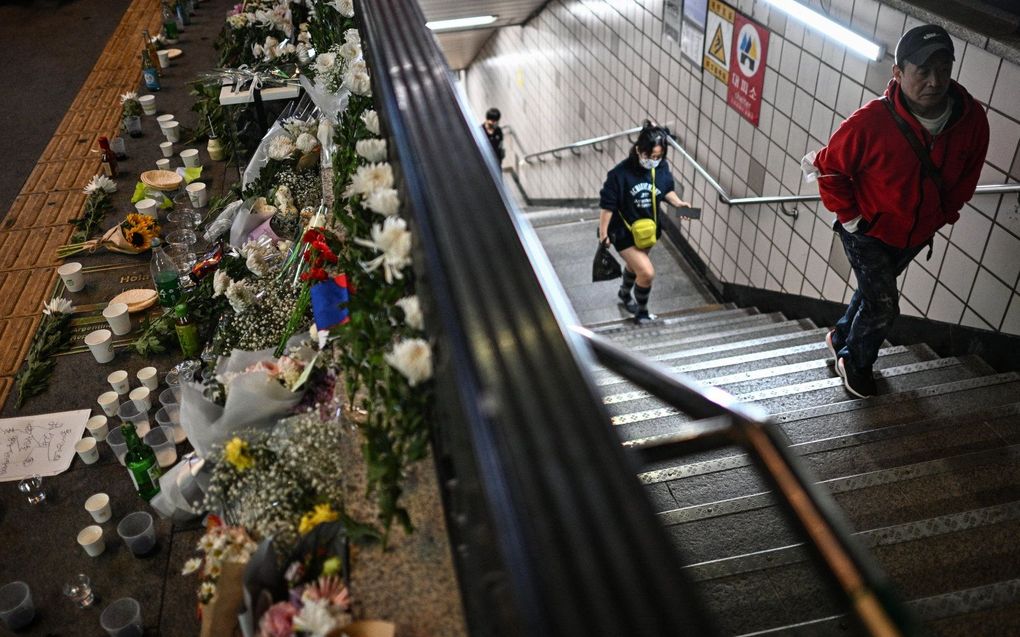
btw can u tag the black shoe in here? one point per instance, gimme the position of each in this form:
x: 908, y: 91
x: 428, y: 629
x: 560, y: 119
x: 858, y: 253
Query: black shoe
x: 642, y: 317
x: 831, y: 346
x: 628, y: 302
x: 857, y: 382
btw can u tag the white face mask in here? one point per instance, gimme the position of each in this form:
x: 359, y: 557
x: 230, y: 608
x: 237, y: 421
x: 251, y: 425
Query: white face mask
x: 648, y: 164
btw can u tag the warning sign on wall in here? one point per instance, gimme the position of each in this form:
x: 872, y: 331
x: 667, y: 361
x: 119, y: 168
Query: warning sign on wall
x: 747, y: 70
x: 718, y: 39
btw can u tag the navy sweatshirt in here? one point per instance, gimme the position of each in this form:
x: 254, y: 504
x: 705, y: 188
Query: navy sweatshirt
x: 628, y: 192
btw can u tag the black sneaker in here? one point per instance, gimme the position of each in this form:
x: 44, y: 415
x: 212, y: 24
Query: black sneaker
x: 628, y: 302
x: 642, y: 317
x: 859, y: 383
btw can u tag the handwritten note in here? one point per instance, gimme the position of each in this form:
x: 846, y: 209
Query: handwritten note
x: 39, y: 445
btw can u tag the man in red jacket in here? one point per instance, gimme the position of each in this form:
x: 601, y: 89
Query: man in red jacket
x: 898, y: 169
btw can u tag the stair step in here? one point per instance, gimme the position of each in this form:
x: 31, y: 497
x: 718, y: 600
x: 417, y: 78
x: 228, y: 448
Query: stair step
x: 606, y: 328
x: 994, y: 607
x: 676, y: 348
x: 662, y: 327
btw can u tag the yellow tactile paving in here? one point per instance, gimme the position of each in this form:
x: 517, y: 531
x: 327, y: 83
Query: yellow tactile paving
x: 37, y: 222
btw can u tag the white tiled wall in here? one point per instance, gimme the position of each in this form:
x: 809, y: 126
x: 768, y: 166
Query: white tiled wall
x: 584, y: 68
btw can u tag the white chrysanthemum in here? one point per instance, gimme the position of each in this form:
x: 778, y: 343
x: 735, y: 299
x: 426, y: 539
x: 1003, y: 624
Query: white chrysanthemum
x: 207, y: 591
x: 306, y: 143
x: 281, y: 147
x: 350, y: 50
x: 256, y: 258
x: 257, y: 50
x: 352, y: 35
x: 283, y: 247
x: 370, y: 178
x: 324, y: 62
x: 238, y: 21
x: 100, y: 182
x: 191, y: 566
x: 358, y: 82
x: 412, y: 358
x: 343, y: 7
x: 130, y: 95
x: 59, y: 305
x: 371, y: 149
x: 221, y: 281
x: 371, y: 120
x: 383, y: 201
x: 393, y: 240
x: 285, y: 49
x: 412, y: 312
x: 314, y: 619
x: 319, y: 337
x: 240, y: 295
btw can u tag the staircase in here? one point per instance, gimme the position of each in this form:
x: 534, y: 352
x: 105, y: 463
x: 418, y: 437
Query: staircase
x: 927, y: 473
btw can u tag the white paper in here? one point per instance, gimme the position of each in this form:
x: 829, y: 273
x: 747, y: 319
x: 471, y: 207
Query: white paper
x: 40, y: 445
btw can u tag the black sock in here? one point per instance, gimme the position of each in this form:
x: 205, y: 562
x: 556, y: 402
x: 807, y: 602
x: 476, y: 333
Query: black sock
x: 628, y: 282
x: 641, y: 296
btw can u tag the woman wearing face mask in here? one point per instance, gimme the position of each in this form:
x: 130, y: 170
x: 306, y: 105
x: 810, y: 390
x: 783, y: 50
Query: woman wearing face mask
x: 628, y: 195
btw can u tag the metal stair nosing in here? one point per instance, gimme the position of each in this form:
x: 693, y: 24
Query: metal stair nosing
x: 602, y: 327
x: 726, y: 329
x: 663, y: 326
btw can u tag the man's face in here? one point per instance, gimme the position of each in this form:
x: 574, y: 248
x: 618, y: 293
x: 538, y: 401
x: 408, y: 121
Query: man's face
x: 491, y: 123
x: 927, y: 85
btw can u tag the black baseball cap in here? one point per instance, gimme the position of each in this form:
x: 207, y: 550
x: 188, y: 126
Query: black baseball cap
x: 919, y: 43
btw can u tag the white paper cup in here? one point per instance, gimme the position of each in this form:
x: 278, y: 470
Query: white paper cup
x: 72, y: 276
x: 198, y: 193
x: 116, y: 314
x: 148, y: 377
x: 190, y: 157
x: 172, y: 131
x: 163, y: 119
x: 98, y: 506
x: 163, y: 164
x: 164, y: 58
x: 140, y: 396
x: 91, y: 539
x: 98, y: 426
x: 110, y: 402
x: 148, y: 103
x: 87, y: 450
x: 167, y: 149
x: 100, y: 342
x: 119, y: 382
x: 147, y: 207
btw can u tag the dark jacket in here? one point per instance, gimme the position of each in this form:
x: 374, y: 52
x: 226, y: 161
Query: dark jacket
x: 496, y: 139
x: 627, y: 191
x: 873, y: 171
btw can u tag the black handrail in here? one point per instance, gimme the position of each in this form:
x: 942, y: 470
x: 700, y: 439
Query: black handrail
x: 552, y: 532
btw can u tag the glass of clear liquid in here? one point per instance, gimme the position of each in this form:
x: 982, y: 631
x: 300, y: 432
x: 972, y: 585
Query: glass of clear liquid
x: 79, y: 589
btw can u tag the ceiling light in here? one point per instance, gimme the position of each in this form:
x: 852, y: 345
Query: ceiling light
x: 837, y: 32
x: 461, y: 23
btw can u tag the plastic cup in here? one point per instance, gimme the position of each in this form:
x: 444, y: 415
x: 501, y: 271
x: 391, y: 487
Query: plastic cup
x: 79, y: 590
x: 148, y: 103
x: 98, y: 426
x: 190, y: 157
x: 131, y: 412
x: 115, y: 438
x: 183, y: 257
x: 116, y: 314
x: 163, y: 164
x: 31, y: 488
x: 98, y: 506
x: 87, y: 450
x: 72, y: 276
x: 122, y: 618
x: 172, y: 131
x: 100, y: 343
x: 186, y: 238
x: 91, y: 540
x: 167, y: 149
x: 198, y: 193
x: 109, y: 401
x: 170, y: 395
x: 161, y: 439
x: 138, y: 533
x: 119, y: 382
x: 164, y: 58
x: 16, y: 608
x: 170, y: 416
x: 148, y: 377
x: 146, y: 206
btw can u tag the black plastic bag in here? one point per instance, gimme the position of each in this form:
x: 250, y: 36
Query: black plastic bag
x: 605, y: 266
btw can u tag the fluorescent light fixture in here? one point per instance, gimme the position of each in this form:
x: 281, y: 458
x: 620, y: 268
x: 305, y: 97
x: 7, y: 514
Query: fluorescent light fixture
x: 461, y: 23
x: 835, y: 31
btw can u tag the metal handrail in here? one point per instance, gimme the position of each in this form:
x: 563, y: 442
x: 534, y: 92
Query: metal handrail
x: 576, y: 146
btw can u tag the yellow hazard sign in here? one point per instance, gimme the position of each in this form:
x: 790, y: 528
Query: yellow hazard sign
x: 718, y: 23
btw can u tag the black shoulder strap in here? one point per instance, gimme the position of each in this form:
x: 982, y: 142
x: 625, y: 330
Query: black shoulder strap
x: 922, y: 153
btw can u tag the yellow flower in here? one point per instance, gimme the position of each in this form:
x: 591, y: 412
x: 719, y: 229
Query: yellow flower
x: 321, y: 513
x: 236, y: 453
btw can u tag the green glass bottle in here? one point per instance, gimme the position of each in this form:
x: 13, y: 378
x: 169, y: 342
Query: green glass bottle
x: 165, y: 276
x: 141, y: 463
x: 169, y: 22
x: 187, y: 333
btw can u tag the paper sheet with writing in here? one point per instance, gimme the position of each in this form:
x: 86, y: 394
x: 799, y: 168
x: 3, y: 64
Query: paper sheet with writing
x: 39, y: 445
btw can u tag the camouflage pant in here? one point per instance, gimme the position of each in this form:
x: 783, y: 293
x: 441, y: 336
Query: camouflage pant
x: 876, y: 302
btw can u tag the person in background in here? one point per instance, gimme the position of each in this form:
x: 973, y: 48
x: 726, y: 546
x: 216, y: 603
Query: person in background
x: 495, y: 134
x: 896, y: 171
x: 627, y: 195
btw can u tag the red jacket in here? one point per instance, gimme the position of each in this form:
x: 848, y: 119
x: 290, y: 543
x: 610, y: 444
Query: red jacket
x: 869, y: 169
